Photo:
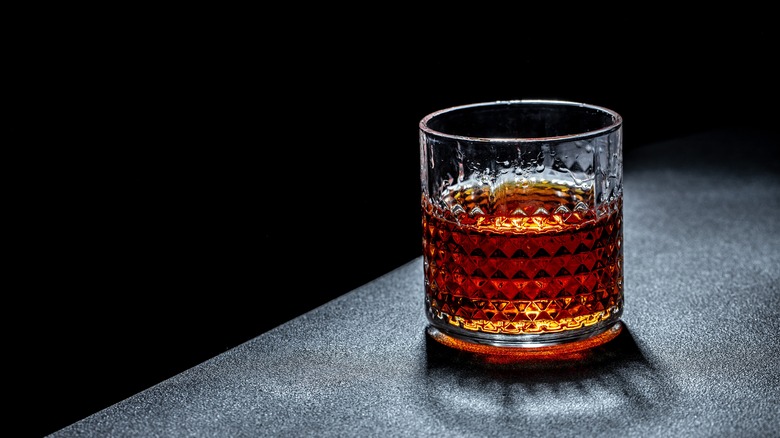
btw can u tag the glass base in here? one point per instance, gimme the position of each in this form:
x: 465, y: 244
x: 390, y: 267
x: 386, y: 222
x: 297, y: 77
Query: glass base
x: 542, y: 345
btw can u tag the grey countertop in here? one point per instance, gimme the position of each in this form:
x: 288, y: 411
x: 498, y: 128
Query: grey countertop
x: 699, y: 356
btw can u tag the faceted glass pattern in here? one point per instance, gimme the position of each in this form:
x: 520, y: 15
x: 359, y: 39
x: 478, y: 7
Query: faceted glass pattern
x: 522, y: 220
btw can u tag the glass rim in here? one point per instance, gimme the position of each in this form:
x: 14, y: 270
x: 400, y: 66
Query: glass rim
x: 617, y: 121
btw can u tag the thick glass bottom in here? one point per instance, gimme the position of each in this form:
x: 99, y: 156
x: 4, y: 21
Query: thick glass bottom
x: 538, y: 345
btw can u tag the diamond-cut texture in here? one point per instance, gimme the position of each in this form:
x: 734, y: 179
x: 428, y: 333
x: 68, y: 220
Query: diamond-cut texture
x: 523, y: 236
x: 608, y: 168
x: 524, y: 283
x: 594, y: 166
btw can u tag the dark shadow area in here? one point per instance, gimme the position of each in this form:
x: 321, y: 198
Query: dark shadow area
x: 216, y: 185
x: 466, y: 390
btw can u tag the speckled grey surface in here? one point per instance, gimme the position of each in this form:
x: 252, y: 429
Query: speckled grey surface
x: 699, y: 356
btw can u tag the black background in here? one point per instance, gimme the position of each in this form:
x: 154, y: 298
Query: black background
x: 203, y: 188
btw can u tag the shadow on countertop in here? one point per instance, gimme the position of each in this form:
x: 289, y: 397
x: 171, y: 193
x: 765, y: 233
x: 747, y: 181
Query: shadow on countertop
x: 477, y: 395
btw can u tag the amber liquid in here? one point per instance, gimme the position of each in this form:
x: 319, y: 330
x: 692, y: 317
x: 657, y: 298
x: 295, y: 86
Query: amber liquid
x: 522, y: 260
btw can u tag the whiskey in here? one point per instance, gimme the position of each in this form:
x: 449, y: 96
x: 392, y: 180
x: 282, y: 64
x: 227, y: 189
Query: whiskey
x: 522, y: 259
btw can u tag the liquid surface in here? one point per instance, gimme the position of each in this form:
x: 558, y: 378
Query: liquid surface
x: 522, y: 260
